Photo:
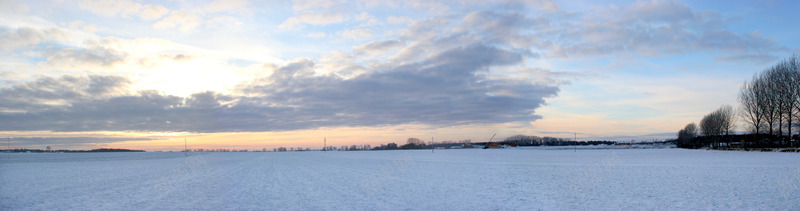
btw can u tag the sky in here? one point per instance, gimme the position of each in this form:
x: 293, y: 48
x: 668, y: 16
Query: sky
x: 241, y: 74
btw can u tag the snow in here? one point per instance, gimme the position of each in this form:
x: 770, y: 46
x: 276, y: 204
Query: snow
x: 457, y: 179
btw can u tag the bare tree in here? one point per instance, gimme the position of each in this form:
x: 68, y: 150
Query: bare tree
x: 772, y: 98
x: 767, y: 99
x: 717, y: 123
x: 727, y: 119
x: 792, y: 80
x: 783, y: 85
x: 687, y: 135
x: 710, y: 126
x: 750, y: 108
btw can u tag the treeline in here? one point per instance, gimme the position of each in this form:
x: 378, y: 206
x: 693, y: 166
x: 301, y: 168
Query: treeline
x: 524, y: 140
x: 222, y: 150
x: 416, y: 143
x: 71, y: 151
x: 517, y: 140
x: 769, y: 107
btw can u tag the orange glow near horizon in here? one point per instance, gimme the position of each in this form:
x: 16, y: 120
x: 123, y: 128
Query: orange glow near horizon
x: 313, y: 138
x: 337, y: 137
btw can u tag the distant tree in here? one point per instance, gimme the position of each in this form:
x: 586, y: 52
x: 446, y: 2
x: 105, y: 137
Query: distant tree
x: 391, y: 146
x: 413, y: 143
x: 728, y: 121
x: 712, y: 126
x: 686, y: 136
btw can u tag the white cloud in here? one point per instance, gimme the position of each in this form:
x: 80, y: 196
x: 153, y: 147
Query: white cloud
x: 153, y: 12
x: 301, y: 5
x: 316, y: 12
x: 13, y: 7
x: 234, y: 6
x: 183, y: 20
x: 357, y: 34
x: 124, y: 8
x: 313, y: 19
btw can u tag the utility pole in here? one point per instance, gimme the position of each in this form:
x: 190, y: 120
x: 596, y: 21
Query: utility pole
x: 185, y: 148
x: 8, y: 156
x: 325, y: 144
x: 576, y: 142
x: 432, y: 147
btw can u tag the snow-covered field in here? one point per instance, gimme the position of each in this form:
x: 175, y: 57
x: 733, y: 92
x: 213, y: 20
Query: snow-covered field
x: 466, y: 179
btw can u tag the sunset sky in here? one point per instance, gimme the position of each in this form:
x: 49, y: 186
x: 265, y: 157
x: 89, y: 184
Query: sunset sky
x: 261, y: 74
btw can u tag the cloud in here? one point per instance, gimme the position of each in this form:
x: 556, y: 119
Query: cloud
x: 755, y: 58
x: 664, y: 11
x: 25, y: 36
x: 510, y: 28
x: 426, y: 28
x: 357, y: 34
x: 68, y: 141
x: 234, y: 6
x: 57, y: 92
x: 313, y: 19
x: 300, y: 5
x: 72, y: 58
x: 183, y: 20
x: 651, y: 28
x: 13, y: 7
x: 546, y: 76
x: 153, y: 12
x: 431, y: 6
x: 443, y: 89
x: 316, y: 12
x: 124, y: 8
x: 379, y: 46
x: 155, y: 61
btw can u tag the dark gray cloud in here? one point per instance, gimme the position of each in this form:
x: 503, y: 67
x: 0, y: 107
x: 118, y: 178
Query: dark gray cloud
x: 47, y: 93
x: 444, y: 89
x: 24, y: 142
